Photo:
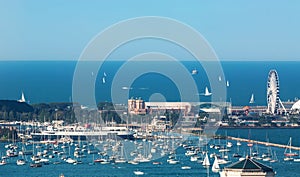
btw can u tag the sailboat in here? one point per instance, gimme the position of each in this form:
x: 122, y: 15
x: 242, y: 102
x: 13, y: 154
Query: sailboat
x: 220, y: 78
x: 206, y: 161
x: 104, y: 78
x: 215, y: 167
x: 227, y: 83
x: 288, y: 151
x: 194, y: 71
x: 252, y: 99
x: 274, y: 156
x: 207, y: 93
x: 22, y: 100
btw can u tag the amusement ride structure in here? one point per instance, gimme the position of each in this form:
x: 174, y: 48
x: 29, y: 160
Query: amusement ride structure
x: 273, y: 99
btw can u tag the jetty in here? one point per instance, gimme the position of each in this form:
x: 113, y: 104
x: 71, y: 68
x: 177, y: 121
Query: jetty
x: 263, y: 143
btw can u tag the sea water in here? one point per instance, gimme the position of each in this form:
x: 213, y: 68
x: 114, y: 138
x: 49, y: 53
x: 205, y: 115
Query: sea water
x: 87, y: 169
x: 51, y: 81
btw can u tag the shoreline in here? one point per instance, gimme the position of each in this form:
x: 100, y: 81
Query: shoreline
x: 258, y: 127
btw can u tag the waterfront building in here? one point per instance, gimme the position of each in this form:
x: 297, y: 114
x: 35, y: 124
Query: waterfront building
x: 136, y: 106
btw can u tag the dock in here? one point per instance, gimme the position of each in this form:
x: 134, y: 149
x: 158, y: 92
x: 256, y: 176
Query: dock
x: 263, y: 143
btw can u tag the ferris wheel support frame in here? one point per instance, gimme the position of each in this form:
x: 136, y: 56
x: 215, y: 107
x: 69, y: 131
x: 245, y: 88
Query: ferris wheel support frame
x: 273, y: 99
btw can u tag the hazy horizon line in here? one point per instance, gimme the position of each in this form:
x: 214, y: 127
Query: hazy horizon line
x: 222, y: 60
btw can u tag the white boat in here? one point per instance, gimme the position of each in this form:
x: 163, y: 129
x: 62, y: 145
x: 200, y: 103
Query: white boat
x: 120, y: 160
x: 103, y: 80
x: 224, y: 150
x: 186, y: 167
x: 206, y: 160
x: 220, y: 79
x: 126, y: 88
x: 71, y: 161
x: 229, y: 144
x: 22, y: 100
x: 2, y: 162
x: 138, y: 172
x: 194, y: 158
x: 133, y: 162
x: 194, y: 71
x: 296, y: 160
x: 21, y: 162
x: 223, y: 161
x: 78, y: 132
x: 173, y: 161
x: 190, y: 153
x: 227, y: 83
x: 288, y: 151
x: 206, y: 93
x: 252, y: 99
x: 215, y: 167
x: 288, y: 159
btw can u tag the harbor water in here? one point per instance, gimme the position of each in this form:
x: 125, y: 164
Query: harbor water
x: 89, y: 169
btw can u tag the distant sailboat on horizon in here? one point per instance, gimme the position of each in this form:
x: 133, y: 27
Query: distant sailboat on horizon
x: 104, y: 78
x: 252, y: 99
x: 207, y: 93
x: 194, y: 71
x: 22, y: 100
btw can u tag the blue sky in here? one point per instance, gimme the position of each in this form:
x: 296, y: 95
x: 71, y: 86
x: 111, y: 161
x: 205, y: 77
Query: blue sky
x: 237, y: 30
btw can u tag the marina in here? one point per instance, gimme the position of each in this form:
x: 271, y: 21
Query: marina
x: 152, y: 88
x: 182, y: 156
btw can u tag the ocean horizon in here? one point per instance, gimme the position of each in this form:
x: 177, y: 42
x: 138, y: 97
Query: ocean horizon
x: 51, y: 81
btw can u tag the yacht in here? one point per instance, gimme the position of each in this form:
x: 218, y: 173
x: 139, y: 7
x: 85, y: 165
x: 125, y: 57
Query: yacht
x: 82, y: 133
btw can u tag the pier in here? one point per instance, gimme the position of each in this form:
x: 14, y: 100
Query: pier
x: 263, y: 143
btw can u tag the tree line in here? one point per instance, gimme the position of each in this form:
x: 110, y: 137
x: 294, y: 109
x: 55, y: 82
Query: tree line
x: 47, y: 112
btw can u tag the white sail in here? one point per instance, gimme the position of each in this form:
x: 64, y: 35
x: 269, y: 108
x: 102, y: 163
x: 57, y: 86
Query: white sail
x: 22, y: 100
x: 252, y: 99
x: 215, y: 167
x: 103, y: 80
x: 207, y: 93
x: 227, y: 83
x: 206, y: 160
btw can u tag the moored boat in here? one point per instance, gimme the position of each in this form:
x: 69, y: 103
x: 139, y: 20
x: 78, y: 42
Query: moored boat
x: 288, y: 151
x: 138, y: 172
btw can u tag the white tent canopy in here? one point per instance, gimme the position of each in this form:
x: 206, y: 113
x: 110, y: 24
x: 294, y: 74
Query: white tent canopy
x: 296, y: 106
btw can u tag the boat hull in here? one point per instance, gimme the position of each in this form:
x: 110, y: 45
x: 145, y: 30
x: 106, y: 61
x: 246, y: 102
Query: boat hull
x: 37, y: 137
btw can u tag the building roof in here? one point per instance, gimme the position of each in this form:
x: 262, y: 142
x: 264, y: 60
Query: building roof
x: 249, y: 164
x: 296, y: 105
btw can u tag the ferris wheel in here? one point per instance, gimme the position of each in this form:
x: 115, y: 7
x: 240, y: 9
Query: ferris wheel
x: 273, y: 93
